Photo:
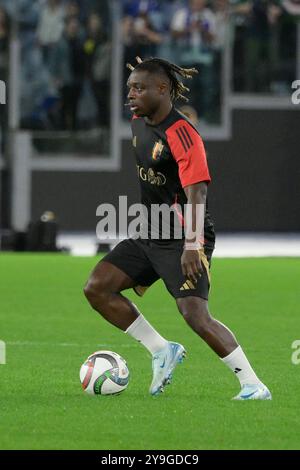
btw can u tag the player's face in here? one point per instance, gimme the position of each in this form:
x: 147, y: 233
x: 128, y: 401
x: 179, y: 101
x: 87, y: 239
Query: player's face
x: 146, y: 92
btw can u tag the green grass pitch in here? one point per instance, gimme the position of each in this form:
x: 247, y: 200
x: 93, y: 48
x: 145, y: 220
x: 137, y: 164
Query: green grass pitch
x: 49, y: 330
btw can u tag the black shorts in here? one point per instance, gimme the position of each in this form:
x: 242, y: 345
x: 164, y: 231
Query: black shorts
x: 146, y: 261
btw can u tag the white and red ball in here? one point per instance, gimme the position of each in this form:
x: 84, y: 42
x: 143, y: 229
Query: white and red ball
x: 104, y: 373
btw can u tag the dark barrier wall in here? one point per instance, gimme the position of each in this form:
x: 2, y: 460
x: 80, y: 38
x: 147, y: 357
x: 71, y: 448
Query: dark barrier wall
x: 256, y: 179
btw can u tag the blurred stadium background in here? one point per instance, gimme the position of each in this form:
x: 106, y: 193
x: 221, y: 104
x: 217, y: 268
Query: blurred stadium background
x: 65, y: 134
x: 66, y: 149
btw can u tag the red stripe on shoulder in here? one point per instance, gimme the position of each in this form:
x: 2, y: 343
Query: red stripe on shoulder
x: 188, y: 150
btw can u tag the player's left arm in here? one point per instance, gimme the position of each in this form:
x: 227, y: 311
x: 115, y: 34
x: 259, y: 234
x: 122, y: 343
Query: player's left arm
x: 194, y: 230
x: 188, y: 150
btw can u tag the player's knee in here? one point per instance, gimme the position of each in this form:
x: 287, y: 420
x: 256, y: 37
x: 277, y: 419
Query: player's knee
x: 95, y: 291
x: 200, y: 322
x: 196, y: 315
x: 89, y: 292
x: 191, y: 306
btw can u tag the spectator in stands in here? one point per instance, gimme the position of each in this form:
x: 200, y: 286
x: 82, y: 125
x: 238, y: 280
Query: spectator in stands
x: 4, y: 43
x: 193, y: 28
x: 67, y: 69
x: 140, y: 31
x: 97, y: 49
x: 72, y: 10
x: 260, y: 54
x: 50, y: 26
x: 102, y: 8
x: 221, y: 9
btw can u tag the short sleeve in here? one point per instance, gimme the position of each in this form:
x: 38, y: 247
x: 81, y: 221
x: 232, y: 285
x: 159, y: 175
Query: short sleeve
x: 188, y: 150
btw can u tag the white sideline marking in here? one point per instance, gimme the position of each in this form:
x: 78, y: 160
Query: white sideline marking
x: 2, y: 352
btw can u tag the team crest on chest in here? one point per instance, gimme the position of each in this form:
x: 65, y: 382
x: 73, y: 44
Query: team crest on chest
x: 157, y: 150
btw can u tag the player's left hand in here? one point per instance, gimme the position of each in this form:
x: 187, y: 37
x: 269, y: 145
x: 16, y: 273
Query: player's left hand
x: 191, y: 265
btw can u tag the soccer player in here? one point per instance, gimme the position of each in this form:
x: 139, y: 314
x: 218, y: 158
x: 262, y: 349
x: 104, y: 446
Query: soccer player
x: 172, y: 170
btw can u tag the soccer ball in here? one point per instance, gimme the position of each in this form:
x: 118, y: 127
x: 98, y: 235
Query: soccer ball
x: 104, y: 373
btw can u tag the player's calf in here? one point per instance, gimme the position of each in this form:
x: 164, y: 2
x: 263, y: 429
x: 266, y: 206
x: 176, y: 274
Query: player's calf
x: 215, y: 334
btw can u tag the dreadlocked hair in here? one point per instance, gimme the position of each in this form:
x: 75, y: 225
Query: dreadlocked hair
x: 155, y: 64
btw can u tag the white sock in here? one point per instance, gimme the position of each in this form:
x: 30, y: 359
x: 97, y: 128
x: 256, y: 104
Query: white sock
x: 143, y: 332
x: 240, y: 365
